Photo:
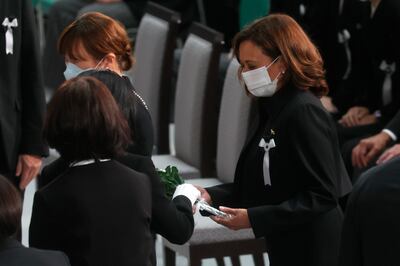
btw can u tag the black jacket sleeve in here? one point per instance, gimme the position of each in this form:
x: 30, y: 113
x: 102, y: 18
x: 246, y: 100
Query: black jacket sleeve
x: 32, y: 94
x: 313, y: 141
x: 44, y: 232
x: 171, y: 219
x: 394, y: 125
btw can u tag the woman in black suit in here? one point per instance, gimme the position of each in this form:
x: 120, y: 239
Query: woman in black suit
x: 12, y: 252
x: 290, y: 174
x: 98, y: 211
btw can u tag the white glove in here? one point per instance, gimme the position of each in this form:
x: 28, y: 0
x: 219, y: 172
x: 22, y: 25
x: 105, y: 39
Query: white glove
x: 189, y: 191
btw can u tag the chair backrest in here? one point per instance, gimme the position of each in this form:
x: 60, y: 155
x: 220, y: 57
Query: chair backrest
x: 154, y: 48
x: 233, y: 124
x: 196, y: 99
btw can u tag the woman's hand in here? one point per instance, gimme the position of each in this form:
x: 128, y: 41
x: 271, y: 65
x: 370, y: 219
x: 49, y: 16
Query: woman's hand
x: 354, y: 116
x: 239, y: 219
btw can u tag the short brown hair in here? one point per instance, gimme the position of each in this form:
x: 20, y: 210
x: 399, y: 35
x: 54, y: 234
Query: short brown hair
x: 10, y: 209
x: 99, y: 35
x: 280, y: 35
x: 83, y: 121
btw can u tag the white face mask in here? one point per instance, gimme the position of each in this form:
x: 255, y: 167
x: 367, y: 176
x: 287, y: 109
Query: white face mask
x: 259, y: 82
x: 72, y: 70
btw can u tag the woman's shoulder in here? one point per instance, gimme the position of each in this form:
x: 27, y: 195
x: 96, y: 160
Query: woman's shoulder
x: 127, y: 173
x: 305, y: 108
x: 304, y: 102
x: 306, y: 98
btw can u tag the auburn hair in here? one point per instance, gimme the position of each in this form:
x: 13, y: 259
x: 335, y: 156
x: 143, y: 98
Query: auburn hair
x: 280, y: 35
x: 99, y: 35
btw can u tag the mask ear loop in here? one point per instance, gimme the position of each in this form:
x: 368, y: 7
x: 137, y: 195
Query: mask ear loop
x: 272, y: 62
x: 98, y: 64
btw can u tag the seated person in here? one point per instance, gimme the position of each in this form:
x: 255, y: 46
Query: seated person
x: 371, y: 232
x: 370, y: 96
x: 12, y: 252
x: 97, y: 211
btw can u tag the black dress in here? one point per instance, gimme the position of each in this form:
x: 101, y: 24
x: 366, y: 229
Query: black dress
x: 298, y: 213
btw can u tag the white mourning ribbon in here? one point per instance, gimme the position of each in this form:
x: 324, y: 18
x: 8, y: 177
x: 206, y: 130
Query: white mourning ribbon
x: 344, y: 37
x: 267, y: 147
x: 9, y: 34
x: 389, y: 69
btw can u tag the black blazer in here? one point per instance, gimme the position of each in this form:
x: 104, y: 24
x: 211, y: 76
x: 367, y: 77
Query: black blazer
x: 394, y: 125
x: 307, y: 178
x: 12, y: 253
x: 371, y: 232
x: 171, y: 219
x: 22, y: 102
x: 98, y: 214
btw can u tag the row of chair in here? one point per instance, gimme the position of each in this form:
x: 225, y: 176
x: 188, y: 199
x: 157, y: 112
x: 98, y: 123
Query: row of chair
x: 211, y: 123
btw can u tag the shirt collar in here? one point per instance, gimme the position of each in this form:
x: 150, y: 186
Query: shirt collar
x: 86, y: 162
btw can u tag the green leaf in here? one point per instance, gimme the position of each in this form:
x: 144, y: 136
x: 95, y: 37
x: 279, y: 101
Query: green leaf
x: 170, y: 178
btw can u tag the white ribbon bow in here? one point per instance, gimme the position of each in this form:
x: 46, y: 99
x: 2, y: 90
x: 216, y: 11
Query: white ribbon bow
x: 9, y: 34
x: 389, y: 69
x: 267, y: 147
x: 344, y: 37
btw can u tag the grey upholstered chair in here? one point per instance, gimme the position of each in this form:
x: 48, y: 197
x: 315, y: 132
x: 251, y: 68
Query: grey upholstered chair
x: 154, y: 48
x: 196, y: 105
x: 211, y: 240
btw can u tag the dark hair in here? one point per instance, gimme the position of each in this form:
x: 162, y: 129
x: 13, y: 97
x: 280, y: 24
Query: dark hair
x: 83, y: 121
x: 10, y: 209
x: 99, y: 35
x: 120, y: 88
x: 280, y: 35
